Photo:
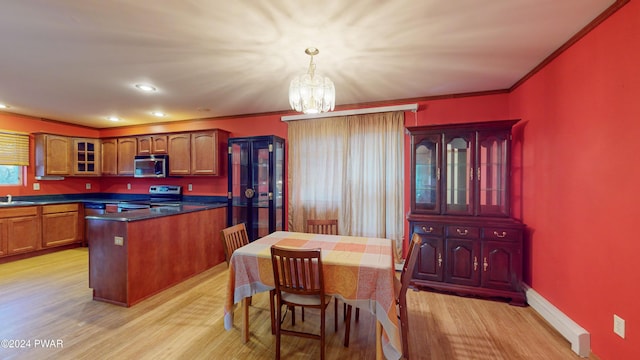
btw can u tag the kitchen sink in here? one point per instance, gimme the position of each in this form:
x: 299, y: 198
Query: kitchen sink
x: 16, y: 202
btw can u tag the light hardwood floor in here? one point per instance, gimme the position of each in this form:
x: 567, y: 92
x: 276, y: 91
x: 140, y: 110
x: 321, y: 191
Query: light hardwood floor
x: 48, y: 299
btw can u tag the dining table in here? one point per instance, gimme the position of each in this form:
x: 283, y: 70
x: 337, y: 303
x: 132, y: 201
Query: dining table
x: 357, y: 270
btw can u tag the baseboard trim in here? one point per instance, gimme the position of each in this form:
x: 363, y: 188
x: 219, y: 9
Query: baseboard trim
x: 579, y: 338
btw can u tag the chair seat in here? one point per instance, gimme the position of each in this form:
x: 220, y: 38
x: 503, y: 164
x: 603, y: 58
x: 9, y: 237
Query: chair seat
x: 305, y: 300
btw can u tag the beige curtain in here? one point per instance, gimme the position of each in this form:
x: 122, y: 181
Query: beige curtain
x: 351, y: 169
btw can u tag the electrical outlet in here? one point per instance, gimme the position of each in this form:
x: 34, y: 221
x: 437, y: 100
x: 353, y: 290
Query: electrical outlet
x: 118, y: 240
x: 87, y: 186
x: 190, y: 187
x: 128, y: 186
x: 618, y: 325
x: 36, y: 186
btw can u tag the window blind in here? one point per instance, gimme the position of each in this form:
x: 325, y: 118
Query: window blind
x: 14, y: 148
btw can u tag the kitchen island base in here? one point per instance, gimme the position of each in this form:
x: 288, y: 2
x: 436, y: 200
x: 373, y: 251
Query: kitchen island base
x: 130, y: 261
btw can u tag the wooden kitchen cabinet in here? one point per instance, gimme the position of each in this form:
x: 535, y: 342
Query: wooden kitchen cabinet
x: 207, y: 151
x: 60, y: 224
x: 197, y: 153
x: 179, y: 149
x: 86, y: 157
x: 152, y: 144
x: 20, y: 230
x: 460, y: 208
x: 52, y: 155
x: 127, y: 150
x: 109, y: 156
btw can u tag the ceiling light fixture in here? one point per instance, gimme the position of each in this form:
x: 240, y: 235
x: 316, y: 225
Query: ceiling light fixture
x: 4, y: 106
x: 312, y: 93
x: 158, y: 114
x: 146, y: 87
x: 113, y: 118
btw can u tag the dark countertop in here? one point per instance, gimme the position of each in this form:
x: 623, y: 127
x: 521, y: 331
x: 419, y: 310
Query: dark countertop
x: 103, y: 198
x: 155, y: 212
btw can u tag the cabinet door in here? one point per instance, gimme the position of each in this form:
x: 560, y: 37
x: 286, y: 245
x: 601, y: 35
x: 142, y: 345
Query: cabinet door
x: 23, y: 234
x: 179, y: 148
x: 159, y: 144
x: 127, y: 150
x: 430, y: 263
x: 459, y: 173
x: 463, y: 261
x: 59, y: 228
x: 501, y: 265
x: 109, y: 156
x: 204, y: 153
x: 86, y: 157
x: 3, y: 238
x: 144, y: 145
x: 493, y: 173
x: 425, y: 187
x: 53, y: 155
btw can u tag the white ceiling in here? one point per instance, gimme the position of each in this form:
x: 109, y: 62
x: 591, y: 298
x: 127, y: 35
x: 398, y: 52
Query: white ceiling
x: 77, y: 60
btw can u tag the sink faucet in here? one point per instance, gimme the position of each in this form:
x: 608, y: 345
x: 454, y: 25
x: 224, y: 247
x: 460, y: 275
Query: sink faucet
x: 8, y: 198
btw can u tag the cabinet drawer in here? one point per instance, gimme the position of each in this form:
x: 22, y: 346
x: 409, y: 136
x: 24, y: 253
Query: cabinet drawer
x: 466, y: 232
x: 428, y: 228
x: 502, y: 234
x: 18, y: 211
x: 58, y: 208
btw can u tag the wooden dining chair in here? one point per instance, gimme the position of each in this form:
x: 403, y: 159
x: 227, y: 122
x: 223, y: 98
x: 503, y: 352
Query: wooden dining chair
x: 321, y: 226
x: 330, y: 227
x: 401, y: 291
x: 233, y: 237
x: 299, y: 281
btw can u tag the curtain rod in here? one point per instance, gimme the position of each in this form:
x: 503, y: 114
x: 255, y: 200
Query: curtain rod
x: 406, y: 107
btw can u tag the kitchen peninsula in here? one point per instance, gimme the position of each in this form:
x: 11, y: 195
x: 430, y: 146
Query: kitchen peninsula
x: 136, y: 254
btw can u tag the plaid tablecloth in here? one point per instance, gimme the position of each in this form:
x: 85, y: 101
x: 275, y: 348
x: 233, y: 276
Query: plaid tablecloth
x: 358, y: 270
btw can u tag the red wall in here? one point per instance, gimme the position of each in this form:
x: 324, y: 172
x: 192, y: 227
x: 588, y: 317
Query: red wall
x: 581, y: 136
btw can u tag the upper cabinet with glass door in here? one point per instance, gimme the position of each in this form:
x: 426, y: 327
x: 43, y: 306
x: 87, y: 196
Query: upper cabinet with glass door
x: 461, y: 169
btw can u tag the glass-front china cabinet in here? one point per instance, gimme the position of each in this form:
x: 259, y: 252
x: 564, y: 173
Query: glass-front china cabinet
x: 256, y: 184
x: 460, y: 207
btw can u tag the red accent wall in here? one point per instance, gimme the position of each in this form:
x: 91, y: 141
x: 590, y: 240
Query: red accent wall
x: 580, y: 178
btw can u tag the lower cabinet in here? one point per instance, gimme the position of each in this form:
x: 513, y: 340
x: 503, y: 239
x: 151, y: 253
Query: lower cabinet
x: 19, y: 230
x: 470, y: 258
x: 60, y: 224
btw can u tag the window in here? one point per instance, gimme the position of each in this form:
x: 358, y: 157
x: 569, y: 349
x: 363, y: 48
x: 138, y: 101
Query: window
x: 10, y: 175
x: 14, y: 155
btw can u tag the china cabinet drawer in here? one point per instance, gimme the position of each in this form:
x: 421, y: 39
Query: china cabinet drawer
x: 428, y: 228
x: 463, y: 231
x: 501, y: 234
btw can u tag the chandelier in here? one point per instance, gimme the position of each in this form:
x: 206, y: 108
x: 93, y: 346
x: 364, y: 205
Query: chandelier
x: 312, y: 93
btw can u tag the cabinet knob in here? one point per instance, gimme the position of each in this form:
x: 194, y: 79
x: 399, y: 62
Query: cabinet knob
x: 500, y: 235
x: 475, y: 263
x: 427, y: 230
x: 462, y: 232
x: 249, y: 193
x: 485, y: 264
x: 439, y: 259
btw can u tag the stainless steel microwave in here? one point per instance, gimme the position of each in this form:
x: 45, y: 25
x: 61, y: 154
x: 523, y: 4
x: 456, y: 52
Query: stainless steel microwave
x: 156, y: 166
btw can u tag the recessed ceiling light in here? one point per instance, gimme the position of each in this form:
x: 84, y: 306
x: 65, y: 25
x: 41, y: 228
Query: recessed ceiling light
x: 113, y: 118
x: 158, y: 114
x: 4, y: 106
x: 146, y: 87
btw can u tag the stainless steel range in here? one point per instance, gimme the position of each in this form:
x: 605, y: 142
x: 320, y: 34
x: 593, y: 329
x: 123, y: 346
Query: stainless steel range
x: 159, y: 195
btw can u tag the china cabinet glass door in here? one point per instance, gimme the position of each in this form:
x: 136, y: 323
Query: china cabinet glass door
x: 493, y: 174
x: 459, y: 174
x: 427, y: 174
